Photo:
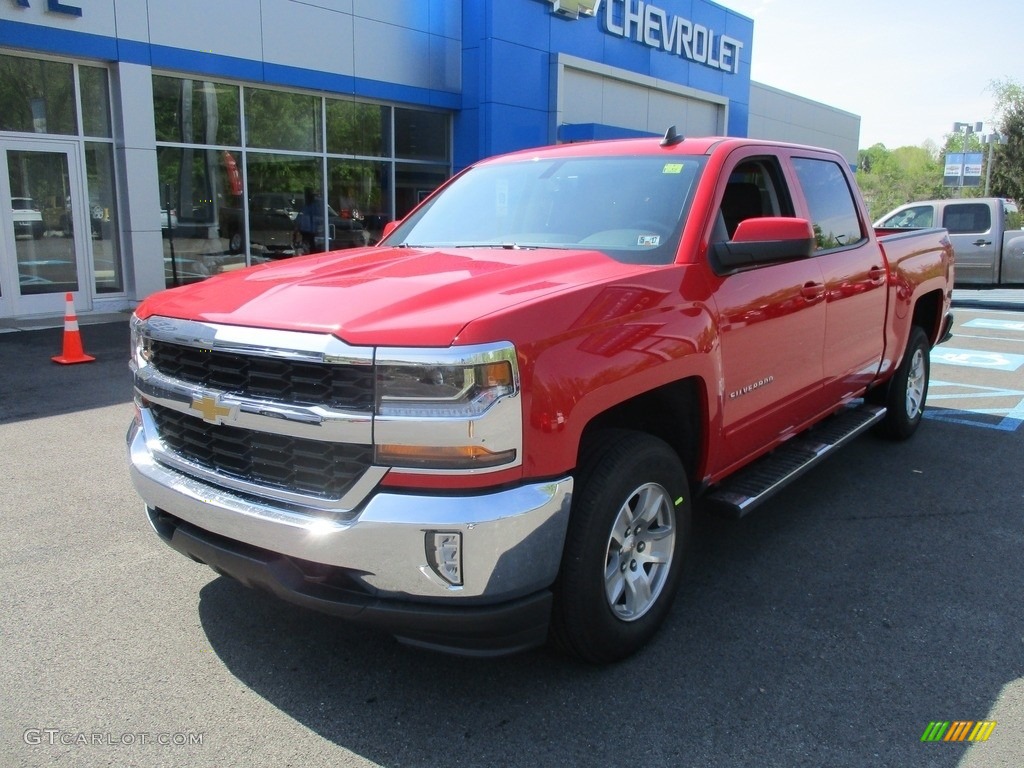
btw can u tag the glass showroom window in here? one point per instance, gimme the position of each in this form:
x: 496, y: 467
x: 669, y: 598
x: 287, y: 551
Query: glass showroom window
x: 99, y: 170
x: 286, y: 198
x: 281, y: 120
x: 256, y: 174
x: 413, y: 182
x: 423, y: 140
x: 198, y: 131
x: 285, y: 205
x: 358, y: 191
x: 359, y: 201
x: 38, y: 96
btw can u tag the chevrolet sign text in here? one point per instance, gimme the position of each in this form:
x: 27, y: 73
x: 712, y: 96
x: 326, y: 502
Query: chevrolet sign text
x: 654, y: 27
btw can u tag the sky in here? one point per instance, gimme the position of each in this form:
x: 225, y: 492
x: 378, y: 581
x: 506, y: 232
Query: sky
x: 909, y: 68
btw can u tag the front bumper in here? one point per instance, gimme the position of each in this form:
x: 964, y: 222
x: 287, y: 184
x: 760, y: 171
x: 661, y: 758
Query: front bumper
x: 374, y: 566
x: 475, y: 630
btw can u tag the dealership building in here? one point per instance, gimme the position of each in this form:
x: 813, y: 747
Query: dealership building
x: 149, y: 144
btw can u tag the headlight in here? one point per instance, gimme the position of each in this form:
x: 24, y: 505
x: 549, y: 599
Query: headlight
x: 450, y: 409
x: 141, y: 345
x: 443, y: 391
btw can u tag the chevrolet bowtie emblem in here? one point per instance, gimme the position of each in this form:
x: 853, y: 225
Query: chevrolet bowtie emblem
x: 573, y: 9
x: 210, y: 410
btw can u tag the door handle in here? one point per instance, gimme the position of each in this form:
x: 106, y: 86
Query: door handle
x: 982, y: 242
x: 876, y: 275
x: 813, y: 291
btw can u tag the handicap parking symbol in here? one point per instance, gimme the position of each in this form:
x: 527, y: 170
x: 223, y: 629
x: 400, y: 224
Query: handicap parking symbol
x: 973, y: 358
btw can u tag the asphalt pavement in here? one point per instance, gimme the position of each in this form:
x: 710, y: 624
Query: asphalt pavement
x: 831, y: 627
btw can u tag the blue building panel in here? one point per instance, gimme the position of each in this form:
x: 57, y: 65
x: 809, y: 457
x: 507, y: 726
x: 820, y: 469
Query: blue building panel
x: 472, y: 75
x: 57, y: 41
x: 598, y: 132
x: 511, y: 128
x: 575, y: 37
x: 200, y: 62
x: 739, y: 118
x: 706, y: 79
x: 692, y: 43
x: 445, y: 17
x: 627, y: 55
x: 518, y: 76
x: 468, y: 133
x: 525, y: 22
x: 474, y: 23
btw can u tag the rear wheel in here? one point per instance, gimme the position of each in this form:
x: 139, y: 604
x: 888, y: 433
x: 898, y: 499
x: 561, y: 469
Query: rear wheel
x: 908, y: 388
x: 625, y: 547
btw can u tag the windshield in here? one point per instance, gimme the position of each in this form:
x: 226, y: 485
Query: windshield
x: 628, y: 207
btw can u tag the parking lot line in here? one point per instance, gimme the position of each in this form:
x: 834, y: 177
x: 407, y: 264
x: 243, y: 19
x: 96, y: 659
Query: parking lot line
x: 1012, y: 416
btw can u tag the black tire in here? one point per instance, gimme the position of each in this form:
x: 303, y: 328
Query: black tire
x: 625, y: 549
x: 906, y: 392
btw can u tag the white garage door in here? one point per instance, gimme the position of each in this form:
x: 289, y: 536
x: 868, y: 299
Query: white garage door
x: 637, y: 103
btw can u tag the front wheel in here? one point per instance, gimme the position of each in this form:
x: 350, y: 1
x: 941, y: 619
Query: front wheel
x: 908, y: 389
x: 625, y: 548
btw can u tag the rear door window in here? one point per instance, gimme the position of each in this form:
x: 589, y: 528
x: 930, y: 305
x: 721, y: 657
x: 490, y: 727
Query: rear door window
x: 967, y: 218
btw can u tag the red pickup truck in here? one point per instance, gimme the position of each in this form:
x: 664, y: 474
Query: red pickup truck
x: 489, y: 430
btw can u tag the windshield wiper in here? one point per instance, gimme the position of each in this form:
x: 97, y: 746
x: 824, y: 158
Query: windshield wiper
x: 504, y: 246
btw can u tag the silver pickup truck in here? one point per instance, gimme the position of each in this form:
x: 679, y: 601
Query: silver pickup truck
x: 985, y: 233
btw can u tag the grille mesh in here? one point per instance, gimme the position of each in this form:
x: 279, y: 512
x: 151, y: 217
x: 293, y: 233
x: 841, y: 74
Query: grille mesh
x: 347, y: 387
x: 310, y: 467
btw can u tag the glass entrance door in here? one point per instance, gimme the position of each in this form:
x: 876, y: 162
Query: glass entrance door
x: 43, y: 248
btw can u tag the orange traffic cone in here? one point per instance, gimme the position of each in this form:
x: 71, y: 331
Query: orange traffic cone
x: 73, y: 352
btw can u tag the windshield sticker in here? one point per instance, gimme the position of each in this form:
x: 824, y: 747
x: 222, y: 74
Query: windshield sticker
x: 672, y: 168
x: 649, y: 241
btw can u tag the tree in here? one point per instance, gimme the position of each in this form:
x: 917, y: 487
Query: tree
x: 1008, y: 159
x: 889, y: 178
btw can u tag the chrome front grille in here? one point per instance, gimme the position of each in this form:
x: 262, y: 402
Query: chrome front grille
x: 332, y: 385
x: 324, y: 470
x: 281, y: 416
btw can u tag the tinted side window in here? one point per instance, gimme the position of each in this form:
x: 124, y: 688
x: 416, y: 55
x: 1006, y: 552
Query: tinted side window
x: 967, y: 217
x: 833, y: 211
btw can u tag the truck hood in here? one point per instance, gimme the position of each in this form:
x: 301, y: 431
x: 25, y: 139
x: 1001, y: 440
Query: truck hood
x: 386, y: 296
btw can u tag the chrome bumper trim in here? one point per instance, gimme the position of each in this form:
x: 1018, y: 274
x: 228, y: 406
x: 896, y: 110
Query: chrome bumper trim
x: 511, y: 539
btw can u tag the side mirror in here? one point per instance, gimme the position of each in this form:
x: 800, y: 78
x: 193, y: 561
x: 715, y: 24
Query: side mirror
x: 765, y: 241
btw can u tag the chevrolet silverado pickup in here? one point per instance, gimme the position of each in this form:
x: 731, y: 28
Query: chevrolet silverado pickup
x: 488, y: 431
x: 985, y: 233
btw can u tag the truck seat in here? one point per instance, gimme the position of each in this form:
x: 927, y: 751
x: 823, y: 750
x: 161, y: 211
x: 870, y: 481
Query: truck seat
x: 741, y: 201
